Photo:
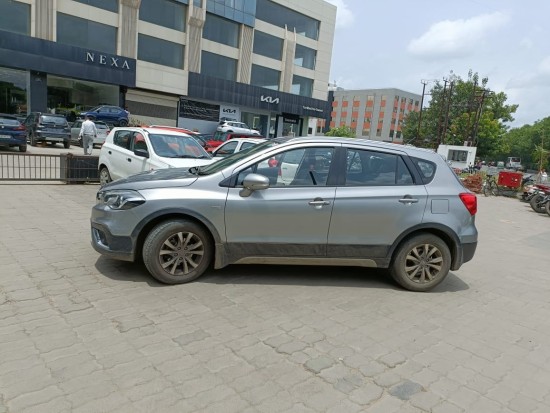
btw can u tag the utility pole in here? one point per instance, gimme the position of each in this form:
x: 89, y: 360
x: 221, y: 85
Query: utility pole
x: 424, y: 83
x: 439, y: 116
x: 479, y: 112
x: 447, y: 112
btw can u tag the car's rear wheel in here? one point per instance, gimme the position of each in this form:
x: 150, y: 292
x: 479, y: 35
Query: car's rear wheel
x: 22, y: 148
x: 104, y: 176
x: 66, y: 144
x: 123, y: 122
x: 177, y: 252
x: 421, y: 262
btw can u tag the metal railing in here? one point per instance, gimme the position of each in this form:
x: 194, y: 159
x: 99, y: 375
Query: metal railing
x: 67, y: 168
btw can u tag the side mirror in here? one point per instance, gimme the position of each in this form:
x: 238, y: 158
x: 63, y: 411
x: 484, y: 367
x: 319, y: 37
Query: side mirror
x: 141, y: 152
x: 253, y: 182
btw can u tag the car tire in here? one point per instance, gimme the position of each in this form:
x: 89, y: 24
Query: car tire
x: 166, y: 254
x: 104, y: 176
x: 66, y: 144
x: 535, y: 203
x: 23, y: 148
x: 123, y: 122
x: 421, y: 262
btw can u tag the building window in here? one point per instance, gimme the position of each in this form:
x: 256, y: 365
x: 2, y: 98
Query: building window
x: 164, y: 13
x: 111, y: 5
x: 221, y: 30
x: 15, y: 17
x: 13, y: 90
x: 159, y: 51
x: 280, y: 16
x: 268, y: 45
x: 302, y: 86
x: 379, y: 132
x: 240, y: 11
x: 216, y: 65
x: 265, y: 77
x: 305, y: 57
x: 87, y: 34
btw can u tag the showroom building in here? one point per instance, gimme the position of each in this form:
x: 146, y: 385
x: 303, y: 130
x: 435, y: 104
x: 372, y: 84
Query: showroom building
x: 188, y: 63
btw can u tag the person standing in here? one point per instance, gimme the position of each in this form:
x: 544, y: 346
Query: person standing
x: 88, y: 132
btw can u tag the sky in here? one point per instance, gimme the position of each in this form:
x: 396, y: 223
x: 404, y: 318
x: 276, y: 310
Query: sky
x: 399, y: 44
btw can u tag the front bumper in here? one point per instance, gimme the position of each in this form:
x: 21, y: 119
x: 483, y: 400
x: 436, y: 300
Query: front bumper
x: 117, y: 247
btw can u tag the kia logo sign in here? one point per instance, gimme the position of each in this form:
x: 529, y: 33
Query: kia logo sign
x: 269, y: 99
x: 230, y: 111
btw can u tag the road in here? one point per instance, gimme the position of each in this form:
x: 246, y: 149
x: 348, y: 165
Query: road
x: 81, y: 333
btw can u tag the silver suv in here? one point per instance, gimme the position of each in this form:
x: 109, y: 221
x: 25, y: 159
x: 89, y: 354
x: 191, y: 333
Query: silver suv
x: 234, y: 126
x: 340, y: 201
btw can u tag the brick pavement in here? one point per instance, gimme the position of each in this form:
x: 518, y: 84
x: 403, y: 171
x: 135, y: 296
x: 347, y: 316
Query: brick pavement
x: 80, y: 333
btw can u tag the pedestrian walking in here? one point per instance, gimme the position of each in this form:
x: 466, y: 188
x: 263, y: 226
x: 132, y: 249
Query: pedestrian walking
x: 87, y: 134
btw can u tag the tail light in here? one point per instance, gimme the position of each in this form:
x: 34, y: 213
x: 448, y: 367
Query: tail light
x: 20, y: 127
x: 470, y: 202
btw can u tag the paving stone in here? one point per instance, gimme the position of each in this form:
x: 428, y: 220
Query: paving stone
x: 319, y: 364
x: 405, y: 390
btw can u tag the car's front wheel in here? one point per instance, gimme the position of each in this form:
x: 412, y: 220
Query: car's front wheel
x: 421, y: 262
x: 177, y: 251
x: 66, y: 144
x: 104, y: 176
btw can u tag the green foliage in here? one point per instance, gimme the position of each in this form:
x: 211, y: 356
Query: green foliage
x: 464, y: 110
x: 530, y: 142
x: 343, y: 131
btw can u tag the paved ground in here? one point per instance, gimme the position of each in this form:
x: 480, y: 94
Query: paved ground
x: 80, y: 333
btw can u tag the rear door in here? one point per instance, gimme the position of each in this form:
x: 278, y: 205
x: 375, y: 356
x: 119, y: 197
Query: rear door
x: 376, y: 200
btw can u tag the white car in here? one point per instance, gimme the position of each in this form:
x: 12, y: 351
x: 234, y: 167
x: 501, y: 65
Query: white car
x: 234, y: 126
x: 128, y: 151
x: 102, y: 132
x: 235, y: 145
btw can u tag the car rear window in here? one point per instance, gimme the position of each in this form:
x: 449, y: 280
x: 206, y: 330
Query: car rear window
x: 9, y: 121
x: 57, y: 120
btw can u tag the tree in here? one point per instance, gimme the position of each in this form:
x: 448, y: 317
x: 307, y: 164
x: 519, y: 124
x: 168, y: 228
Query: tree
x: 344, y: 131
x: 461, y: 111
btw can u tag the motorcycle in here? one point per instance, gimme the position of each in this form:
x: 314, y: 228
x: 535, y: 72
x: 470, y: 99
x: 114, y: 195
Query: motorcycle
x: 540, y: 198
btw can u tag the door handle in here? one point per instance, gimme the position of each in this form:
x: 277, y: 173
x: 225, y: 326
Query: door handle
x: 409, y: 200
x: 318, y: 203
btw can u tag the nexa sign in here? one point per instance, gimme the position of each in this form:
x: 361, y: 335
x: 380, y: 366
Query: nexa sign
x: 269, y: 99
x: 104, y: 60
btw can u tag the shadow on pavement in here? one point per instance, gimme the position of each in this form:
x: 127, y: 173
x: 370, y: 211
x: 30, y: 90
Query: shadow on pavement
x: 277, y: 275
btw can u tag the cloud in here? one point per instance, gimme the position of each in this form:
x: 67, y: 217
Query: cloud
x: 456, y: 38
x: 344, y: 16
x: 538, y: 78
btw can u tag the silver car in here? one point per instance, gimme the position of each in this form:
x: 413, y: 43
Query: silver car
x: 102, y: 132
x: 349, y: 202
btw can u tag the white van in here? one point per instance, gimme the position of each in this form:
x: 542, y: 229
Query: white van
x: 514, y: 162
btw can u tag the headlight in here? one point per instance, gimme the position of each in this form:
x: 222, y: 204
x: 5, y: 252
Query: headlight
x: 120, y: 199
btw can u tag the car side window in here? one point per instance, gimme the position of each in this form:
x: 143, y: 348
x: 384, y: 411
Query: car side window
x: 122, y: 138
x: 296, y: 167
x: 247, y: 145
x: 425, y: 168
x: 138, y: 142
x: 227, y: 149
x: 370, y: 168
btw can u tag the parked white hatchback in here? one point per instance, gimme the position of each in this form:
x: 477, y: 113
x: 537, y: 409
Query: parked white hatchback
x: 234, y: 126
x: 128, y: 151
x: 235, y: 145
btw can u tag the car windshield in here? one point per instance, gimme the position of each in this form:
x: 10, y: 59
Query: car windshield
x: 177, y: 146
x: 220, y: 136
x: 101, y: 125
x: 237, y: 156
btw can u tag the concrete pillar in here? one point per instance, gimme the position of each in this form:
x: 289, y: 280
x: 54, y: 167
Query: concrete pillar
x: 38, y: 92
x: 128, y: 12
x: 44, y: 13
x: 245, y: 54
x: 195, y: 23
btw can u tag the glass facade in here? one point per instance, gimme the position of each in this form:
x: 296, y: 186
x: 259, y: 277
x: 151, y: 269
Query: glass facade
x: 159, y: 51
x: 302, y: 86
x: 216, y: 65
x: 241, y: 11
x: 164, y: 13
x: 111, y: 5
x: 15, y: 17
x: 281, y: 16
x: 221, y: 30
x: 66, y: 96
x: 87, y: 34
x: 305, y: 57
x: 265, y: 77
x: 13, y: 91
x: 268, y: 45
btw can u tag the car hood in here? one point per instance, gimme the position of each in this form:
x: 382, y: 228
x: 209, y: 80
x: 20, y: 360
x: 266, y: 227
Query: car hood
x: 169, y: 177
x: 185, y: 162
